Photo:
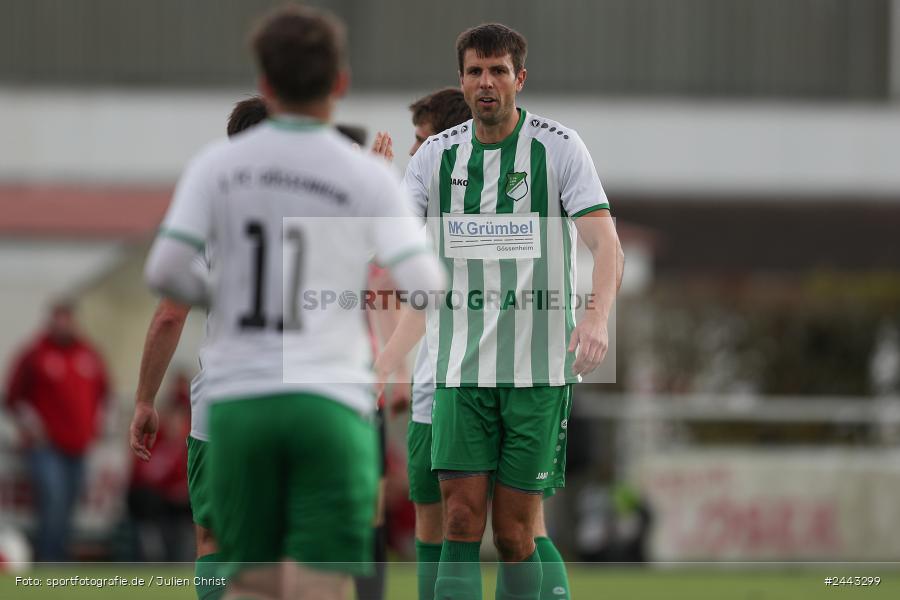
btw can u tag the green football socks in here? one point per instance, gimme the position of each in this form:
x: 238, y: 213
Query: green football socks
x: 459, y: 572
x: 520, y: 580
x: 427, y: 558
x: 555, y: 582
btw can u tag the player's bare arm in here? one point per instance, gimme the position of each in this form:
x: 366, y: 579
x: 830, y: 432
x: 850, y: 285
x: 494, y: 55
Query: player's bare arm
x: 409, y: 330
x: 159, y: 346
x: 385, y: 320
x: 591, y: 336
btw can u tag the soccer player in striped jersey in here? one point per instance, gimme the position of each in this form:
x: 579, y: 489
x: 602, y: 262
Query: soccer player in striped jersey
x: 506, y: 193
x: 292, y: 452
x: 431, y: 114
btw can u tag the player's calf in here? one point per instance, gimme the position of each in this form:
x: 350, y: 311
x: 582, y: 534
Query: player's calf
x: 429, y: 525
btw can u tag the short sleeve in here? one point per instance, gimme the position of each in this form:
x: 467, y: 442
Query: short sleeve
x: 415, y: 181
x: 189, y: 216
x: 580, y: 189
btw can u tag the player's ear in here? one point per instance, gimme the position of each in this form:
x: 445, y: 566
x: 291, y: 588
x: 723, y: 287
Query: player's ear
x: 341, y: 84
x: 520, y: 79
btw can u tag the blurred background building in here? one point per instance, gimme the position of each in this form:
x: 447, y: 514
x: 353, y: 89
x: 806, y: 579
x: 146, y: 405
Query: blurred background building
x: 749, y: 149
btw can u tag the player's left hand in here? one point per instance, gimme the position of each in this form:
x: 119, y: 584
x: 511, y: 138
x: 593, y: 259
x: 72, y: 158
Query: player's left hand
x: 591, y: 339
x: 142, y: 433
x: 383, y: 146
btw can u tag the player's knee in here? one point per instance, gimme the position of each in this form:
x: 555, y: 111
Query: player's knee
x: 463, y: 522
x: 514, y: 543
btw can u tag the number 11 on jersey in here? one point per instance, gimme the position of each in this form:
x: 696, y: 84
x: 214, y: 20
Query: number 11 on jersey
x: 255, y: 317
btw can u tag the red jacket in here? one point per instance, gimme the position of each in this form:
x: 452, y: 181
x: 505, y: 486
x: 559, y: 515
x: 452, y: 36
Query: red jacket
x: 66, y: 385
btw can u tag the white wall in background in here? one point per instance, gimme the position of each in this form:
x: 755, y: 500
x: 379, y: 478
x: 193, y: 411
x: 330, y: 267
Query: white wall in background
x: 665, y: 147
x: 723, y: 504
x: 33, y: 274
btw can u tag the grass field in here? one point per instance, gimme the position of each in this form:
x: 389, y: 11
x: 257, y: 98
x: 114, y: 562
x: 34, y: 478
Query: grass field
x: 587, y: 581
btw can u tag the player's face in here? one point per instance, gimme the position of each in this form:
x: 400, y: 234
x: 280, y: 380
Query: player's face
x: 423, y: 131
x: 490, y: 85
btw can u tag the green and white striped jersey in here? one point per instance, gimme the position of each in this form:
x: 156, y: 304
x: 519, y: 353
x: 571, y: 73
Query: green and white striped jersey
x: 501, y: 217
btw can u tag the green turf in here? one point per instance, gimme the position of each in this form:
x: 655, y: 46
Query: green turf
x: 588, y: 582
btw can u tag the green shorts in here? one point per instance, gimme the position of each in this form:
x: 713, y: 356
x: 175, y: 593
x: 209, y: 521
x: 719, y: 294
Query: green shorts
x: 198, y: 482
x: 293, y: 475
x: 520, y: 433
x: 424, y: 486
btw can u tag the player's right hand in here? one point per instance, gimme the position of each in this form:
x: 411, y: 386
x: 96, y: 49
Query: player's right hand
x: 142, y: 433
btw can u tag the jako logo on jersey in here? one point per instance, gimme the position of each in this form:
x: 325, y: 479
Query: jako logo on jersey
x: 516, y: 185
x: 543, y: 475
x: 462, y: 182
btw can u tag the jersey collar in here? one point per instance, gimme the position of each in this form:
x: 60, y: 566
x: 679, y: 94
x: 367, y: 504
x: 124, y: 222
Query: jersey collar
x: 505, y: 141
x: 295, y: 122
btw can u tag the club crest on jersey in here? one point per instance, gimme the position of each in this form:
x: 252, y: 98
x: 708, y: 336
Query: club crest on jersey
x: 516, y: 185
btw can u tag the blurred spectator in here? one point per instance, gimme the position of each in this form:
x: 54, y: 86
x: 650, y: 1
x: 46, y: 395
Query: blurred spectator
x: 158, y: 499
x: 56, y: 388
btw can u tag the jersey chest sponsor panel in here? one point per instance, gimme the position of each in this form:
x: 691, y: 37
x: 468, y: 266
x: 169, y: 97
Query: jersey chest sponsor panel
x: 285, y: 228
x: 498, y: 219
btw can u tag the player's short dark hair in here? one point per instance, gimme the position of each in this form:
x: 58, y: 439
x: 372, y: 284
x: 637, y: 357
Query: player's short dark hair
x: 441, y: 110
x: 246, y: 113
x: 493, y: 39
x: 300, y: 50
x: 355, y: 133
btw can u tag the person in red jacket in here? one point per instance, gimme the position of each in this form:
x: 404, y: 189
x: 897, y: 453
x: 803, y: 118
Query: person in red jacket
x: 56, y: 390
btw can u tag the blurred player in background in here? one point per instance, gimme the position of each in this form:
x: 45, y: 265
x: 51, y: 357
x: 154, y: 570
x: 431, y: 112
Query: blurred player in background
x: 56, y: 392
x: 159, y: 346
x: 292, y: 460
x: 503, y: 375
x: 431, y: 114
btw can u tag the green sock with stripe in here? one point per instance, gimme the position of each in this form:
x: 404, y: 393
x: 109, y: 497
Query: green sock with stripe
x: 206, y: 569
x: 427, y: 558
x: 459, y: 572
x: 520, y: 580
x: 555, y: 583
